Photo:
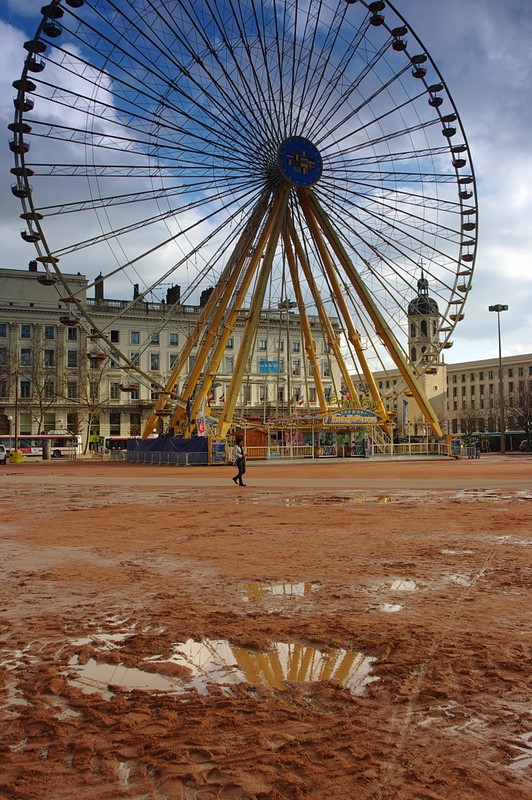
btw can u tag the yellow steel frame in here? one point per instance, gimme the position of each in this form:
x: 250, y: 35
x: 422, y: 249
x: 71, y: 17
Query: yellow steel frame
x: 270, y: 219
x: 312, y: 207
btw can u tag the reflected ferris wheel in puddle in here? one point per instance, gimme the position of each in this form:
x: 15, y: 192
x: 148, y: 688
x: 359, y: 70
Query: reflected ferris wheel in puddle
x: 290, y: 161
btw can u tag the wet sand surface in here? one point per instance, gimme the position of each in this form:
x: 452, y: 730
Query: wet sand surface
x: 343, y: 630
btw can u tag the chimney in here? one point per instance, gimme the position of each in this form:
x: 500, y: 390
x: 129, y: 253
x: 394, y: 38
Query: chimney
x: 98, y: 287
x: 32, y: 266
x: 173, y: 295
x: 204, y: 297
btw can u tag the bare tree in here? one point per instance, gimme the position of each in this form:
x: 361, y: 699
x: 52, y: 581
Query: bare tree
x: 521, y: 408
x: 470, y: 420
x: 34, y: 380
x: 93, y: 396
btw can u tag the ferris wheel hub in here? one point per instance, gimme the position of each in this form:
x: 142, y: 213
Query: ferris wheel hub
x: 299, y: 161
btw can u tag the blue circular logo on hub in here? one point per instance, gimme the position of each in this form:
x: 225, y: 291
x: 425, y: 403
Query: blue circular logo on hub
x: 299, y: 161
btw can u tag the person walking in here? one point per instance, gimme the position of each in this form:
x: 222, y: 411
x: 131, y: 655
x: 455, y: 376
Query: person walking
x: 239, y: 460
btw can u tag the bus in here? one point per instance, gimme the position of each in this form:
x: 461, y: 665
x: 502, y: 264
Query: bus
x: 113, y: 444
x: 59, y: 444
x: 110, y: 444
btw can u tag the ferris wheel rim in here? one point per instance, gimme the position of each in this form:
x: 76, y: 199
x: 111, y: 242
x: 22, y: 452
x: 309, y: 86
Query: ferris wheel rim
x: 459, y: 281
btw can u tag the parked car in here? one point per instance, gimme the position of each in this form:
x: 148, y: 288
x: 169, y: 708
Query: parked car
x: 3, y: 454
x: 525, y: 447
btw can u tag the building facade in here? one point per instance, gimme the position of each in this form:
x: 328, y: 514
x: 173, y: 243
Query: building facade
x: 54, y: 375
x: 465, y: 395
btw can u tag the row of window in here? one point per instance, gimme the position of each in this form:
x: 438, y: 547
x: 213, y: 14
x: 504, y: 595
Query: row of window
x: 115, y: 391
x: 509, y: 387
x: 72, y: 361
x: 25, y: 332
x: 510, y: 372
x: 482, y: 425
x: 72, y: 333
x: 120, y: 424
x: 48, y: 357
x: 115, y: 336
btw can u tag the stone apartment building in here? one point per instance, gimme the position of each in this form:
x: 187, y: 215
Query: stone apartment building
x: 54, y: 376
x: 468, y: 389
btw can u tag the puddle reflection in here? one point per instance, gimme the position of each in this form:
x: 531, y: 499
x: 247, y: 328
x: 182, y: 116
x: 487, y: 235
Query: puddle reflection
x: 95, y: 676
x: 460, y: 580
x: 258, y: 592
x: 401, y: 585
x: 218, y: 662
x: 319, y: 500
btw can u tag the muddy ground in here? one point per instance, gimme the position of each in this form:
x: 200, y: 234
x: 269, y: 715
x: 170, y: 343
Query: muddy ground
x: 339, y: 631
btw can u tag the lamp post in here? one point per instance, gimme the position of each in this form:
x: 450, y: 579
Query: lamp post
x: 287, y: 305
x: 498, y: 308
x: 16, y: 410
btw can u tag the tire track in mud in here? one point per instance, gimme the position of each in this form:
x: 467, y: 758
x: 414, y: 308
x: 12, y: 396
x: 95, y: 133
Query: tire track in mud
x: 401, y: 724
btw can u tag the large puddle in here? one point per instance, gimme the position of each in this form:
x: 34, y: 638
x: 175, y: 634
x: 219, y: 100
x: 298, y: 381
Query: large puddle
x: 217, y: 662
x: 323, y: 499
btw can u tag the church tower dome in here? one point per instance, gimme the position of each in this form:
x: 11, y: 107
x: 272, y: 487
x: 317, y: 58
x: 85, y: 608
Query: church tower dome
x: 423, y: 324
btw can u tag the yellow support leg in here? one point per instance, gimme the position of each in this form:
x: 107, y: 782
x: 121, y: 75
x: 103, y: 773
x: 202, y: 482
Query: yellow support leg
x: 381, y: 328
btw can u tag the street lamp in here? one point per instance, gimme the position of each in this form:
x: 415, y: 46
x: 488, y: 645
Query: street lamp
x: 15, y: 411
x: 498, y: 308
x: 287, y: 305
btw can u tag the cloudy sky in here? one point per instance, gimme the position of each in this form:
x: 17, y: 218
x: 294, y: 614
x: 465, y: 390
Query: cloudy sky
x: 482, y: 48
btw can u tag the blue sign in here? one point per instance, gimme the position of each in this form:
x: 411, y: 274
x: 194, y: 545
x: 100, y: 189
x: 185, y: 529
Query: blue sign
x: 267, y: 367
x: 218, y: 451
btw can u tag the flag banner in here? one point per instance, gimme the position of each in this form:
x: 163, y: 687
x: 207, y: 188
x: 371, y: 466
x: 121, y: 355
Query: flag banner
x: 405, y: 407
x: 200, y: 419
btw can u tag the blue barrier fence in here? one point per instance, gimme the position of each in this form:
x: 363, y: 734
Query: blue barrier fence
x: 166, y: 450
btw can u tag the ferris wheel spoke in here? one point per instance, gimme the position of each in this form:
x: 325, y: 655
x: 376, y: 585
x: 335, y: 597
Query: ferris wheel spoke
x: 224, y: 98
x: 394, y: 157
x: 316, y: 85
x: 247, y: 84
x: 128, y: 198
x: 95, y: 110
x: 273, y: 103
x: 401, y: 240
x: 187, y: 207
x: 283, y: 59
x: 305, y: 49
x: 205, y: 118
x: 406, y: 249
x: 387, y: 136
x: 388, y: 196
x: 326, y: 110
x: 151, y: 287
x: 385, y: 239
x: 141, y: 223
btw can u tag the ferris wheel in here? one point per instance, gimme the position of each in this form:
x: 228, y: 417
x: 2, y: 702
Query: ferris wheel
x: 299, y: 155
